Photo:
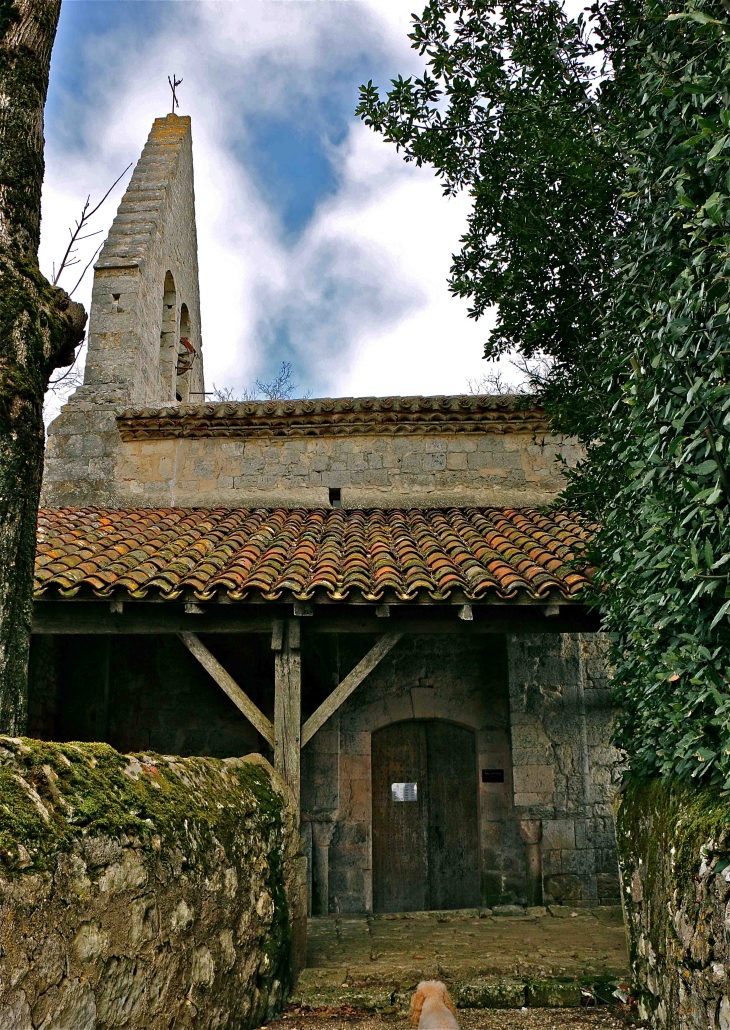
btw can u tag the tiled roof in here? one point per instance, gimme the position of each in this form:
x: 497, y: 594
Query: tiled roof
x: 301, y: 553
x: 336, y: 416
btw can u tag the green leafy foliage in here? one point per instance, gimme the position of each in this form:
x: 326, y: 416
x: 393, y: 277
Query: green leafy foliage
x: 601, y: 231
x: 510, y: 112
x: 661, y: 466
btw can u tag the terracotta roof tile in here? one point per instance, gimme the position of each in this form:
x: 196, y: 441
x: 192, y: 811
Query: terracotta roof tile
x: 337, y: 416
x: 417, y: 553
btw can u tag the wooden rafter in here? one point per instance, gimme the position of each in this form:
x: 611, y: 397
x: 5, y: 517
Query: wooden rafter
x: 227, y: 684
x: 351, y: 682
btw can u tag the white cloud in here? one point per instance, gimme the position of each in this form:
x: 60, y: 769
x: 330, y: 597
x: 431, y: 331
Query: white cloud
x: 362, y: 292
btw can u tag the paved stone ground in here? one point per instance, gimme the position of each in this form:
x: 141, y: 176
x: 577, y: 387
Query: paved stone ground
x: 488, y: 960
x: 601, y: 1018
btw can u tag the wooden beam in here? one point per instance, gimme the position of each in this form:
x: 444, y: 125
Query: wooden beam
x: 351, y: 682
x: 277, y: 635
x: 94, y: 617
x: 72, y: 617
x: 227, y: 684
x: 288, y: 708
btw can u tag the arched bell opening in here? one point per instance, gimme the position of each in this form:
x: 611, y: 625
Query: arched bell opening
x: 186, y: 355
x: 168, y: 340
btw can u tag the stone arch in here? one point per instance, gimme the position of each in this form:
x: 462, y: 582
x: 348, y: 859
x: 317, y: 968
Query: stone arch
x: 168, y: 339
x: 456, y: 680
x: 185, y: 357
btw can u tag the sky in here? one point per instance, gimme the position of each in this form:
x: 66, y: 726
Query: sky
x: 318, y: 244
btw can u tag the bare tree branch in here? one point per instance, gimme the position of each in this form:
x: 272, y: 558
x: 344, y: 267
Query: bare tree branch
x: 68, y: 260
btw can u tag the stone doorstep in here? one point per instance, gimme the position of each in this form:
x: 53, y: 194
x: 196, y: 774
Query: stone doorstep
x: 604, y: 913
x: 320, y: 991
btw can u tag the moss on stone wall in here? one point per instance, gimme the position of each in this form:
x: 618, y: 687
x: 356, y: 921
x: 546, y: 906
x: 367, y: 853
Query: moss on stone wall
x: 50, y: 793
x: 168, y: 884
x: 673, y: 843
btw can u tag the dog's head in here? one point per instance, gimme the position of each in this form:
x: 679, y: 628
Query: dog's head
x: 429, y: 989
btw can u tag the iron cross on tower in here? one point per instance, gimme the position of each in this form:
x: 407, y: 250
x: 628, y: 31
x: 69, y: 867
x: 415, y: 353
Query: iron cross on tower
x: 174, y: 83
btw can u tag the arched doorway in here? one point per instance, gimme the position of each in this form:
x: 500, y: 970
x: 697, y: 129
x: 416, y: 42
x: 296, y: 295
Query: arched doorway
x: 425, y: 817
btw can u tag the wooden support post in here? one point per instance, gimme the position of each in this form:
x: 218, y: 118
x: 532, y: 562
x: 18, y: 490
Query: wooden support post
x: 227, y: 683
x: 288, y: 705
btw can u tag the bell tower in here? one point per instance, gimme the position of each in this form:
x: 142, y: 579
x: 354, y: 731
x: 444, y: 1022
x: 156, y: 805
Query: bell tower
x: 145, y: 346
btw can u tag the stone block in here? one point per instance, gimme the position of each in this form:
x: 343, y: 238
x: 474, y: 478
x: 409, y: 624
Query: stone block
x: 563, y: 888
x: 456, y: 461
x: 434, y: 462
x: 553, y: 994
x: 558, y: 834
x: 608, y: 888
x: 532, y: 757
x: 376, y: 478
x: 372, y: 999
x: 581, y: 863
x: 552, y: 862
x: 490, y: 993
x: 509, y: 910
x: 423, y: 702
x: 534, y: 779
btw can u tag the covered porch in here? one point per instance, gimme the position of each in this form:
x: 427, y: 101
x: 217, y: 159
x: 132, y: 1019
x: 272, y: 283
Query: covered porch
x: 367, y: 665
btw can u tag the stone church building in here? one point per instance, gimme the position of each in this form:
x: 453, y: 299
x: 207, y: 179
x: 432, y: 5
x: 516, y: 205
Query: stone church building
x: 372, y: 592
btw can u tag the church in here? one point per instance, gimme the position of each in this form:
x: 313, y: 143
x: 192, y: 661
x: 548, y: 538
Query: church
x: 377, y: 594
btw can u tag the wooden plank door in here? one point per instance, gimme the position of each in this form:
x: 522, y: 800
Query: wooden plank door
x: 400, y: 828
x: 425, y: 850
x: 453, y: 841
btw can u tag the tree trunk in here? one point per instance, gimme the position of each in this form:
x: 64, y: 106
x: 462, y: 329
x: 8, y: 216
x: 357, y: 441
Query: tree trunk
x: 39, y: 331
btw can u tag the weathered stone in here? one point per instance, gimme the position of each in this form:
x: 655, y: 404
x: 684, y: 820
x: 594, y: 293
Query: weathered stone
x: 674, y: 857
x: 15, y: 1012
x: 564, y: 766
x: 374, y: 999
x: 509, y: 910
x: 491, y: 993
x: 70, y: 1006
x: 553, y: 994
x: 181, y: 853
x: 145, y: 297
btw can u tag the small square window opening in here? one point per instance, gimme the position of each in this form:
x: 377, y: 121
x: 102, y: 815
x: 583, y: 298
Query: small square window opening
x: 404, y: 791
x: 336, y: 496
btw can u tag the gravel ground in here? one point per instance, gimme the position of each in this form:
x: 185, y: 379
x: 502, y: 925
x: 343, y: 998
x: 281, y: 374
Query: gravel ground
x: 602, y: 1018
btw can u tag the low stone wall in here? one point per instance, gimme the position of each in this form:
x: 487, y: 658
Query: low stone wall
x: 674, y: 857
x: 144, y: 891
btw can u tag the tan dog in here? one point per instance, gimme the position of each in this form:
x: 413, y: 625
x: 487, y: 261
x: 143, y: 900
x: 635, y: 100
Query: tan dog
x: 432, y: 1008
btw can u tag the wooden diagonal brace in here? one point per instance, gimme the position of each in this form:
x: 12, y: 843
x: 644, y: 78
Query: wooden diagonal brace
x: 353, y: 680
x: 226, y: 682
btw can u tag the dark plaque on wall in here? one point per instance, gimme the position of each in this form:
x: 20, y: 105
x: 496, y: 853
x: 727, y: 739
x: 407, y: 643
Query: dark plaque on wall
x: 492, y: 775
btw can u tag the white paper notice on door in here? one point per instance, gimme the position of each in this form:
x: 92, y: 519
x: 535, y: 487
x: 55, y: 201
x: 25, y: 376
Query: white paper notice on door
x: 404, y: 791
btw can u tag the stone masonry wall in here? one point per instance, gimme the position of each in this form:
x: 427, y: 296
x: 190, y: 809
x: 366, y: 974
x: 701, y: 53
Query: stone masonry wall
x: 674, y: 856
x: 437, y: 677
x: 566, y: 772
x: 395, y: 470
x: 539, y: 704
x: 514, y: 469
x: 153, y: 234
x: 144, y: 891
